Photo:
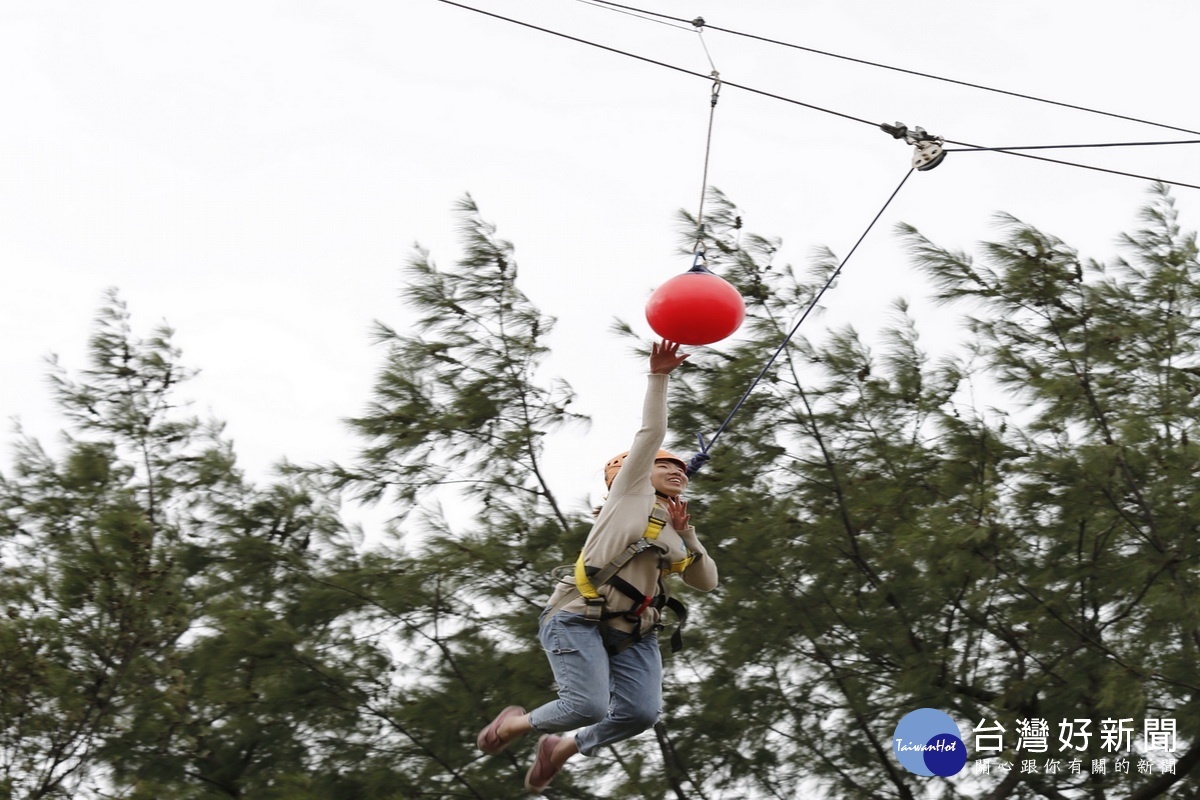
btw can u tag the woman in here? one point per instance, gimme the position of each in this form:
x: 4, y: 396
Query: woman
x: 609, y: 672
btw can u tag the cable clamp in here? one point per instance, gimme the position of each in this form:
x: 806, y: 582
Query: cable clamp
x: 927, y: 152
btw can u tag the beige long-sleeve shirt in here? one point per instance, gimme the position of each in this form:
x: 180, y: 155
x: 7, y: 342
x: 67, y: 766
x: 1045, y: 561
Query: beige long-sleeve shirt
x: 623, y: 519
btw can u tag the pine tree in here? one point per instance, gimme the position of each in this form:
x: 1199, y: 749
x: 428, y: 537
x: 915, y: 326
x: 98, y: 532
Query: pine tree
x: 95, y: 587
x: 1006, y: 534
x: 885, y: 544
x: 170, y: 630
x: 458, y: 416
x: 888, y: 545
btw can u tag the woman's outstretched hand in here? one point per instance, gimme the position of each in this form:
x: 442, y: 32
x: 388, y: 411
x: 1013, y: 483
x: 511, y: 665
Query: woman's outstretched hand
x: 665, y: 357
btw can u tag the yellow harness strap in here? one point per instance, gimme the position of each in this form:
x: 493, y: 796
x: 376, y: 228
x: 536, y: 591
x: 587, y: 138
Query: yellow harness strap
x: 658, y: 519
x: 680, y: 566
x: 594, y: 604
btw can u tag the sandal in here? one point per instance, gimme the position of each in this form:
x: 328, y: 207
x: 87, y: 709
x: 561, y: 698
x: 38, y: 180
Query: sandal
x: 543, y: 769
x: 489, y: 740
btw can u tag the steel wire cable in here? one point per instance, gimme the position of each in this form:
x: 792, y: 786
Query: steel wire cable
x: 700, y: 458
x: 1019, y: 151
x: 811, y: 106
x: 892, y: 68
x: 658, y: 63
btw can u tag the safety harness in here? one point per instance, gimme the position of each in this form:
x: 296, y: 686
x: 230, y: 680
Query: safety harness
x: 589, y: 579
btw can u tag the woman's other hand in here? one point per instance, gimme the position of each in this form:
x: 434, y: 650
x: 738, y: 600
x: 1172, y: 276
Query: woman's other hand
x: 677, y: 509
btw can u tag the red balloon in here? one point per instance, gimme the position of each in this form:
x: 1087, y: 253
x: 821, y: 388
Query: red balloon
x: 696, y: 307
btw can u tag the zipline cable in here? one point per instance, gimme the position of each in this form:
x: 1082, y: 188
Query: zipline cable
x: 702, y: 457
x: 800, y: 103
x: 1017, y: 151
x: 897, y: 69
x: 974, y: 148
x: 657, y: 63
x: 639, y: 14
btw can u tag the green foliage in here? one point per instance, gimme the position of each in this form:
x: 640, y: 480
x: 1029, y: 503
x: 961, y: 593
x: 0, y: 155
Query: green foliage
x: 888, y: 545
x: 460, y: 412
x: 886, y: 540
x: 166, y: 631
x: 459, y: 402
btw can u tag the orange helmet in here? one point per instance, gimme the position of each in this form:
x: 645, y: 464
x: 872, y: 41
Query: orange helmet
x: 614, y: 464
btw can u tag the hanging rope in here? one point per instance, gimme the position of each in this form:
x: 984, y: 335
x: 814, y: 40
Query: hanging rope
x: 702, y: 457
x: 699, y: 251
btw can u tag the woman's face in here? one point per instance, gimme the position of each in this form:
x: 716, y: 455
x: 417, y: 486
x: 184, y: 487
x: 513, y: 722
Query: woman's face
x: 668, y: 477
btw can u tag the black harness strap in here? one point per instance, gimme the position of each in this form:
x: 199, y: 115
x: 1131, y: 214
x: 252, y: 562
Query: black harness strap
x: 587, y: 579
x: 641, y: 603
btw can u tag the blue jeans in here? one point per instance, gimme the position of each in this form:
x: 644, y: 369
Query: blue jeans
x: 611, y: 698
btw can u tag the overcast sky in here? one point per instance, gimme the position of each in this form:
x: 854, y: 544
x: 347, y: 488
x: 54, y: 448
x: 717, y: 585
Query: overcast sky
x: 256, y: 173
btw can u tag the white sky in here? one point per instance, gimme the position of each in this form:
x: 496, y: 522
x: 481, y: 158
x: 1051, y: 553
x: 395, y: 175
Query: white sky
x: 256, y: 173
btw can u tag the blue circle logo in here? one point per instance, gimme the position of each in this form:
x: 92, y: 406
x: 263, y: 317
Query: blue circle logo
x: 928, y: 742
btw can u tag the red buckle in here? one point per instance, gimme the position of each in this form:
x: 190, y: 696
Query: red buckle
x: 634, y: 614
